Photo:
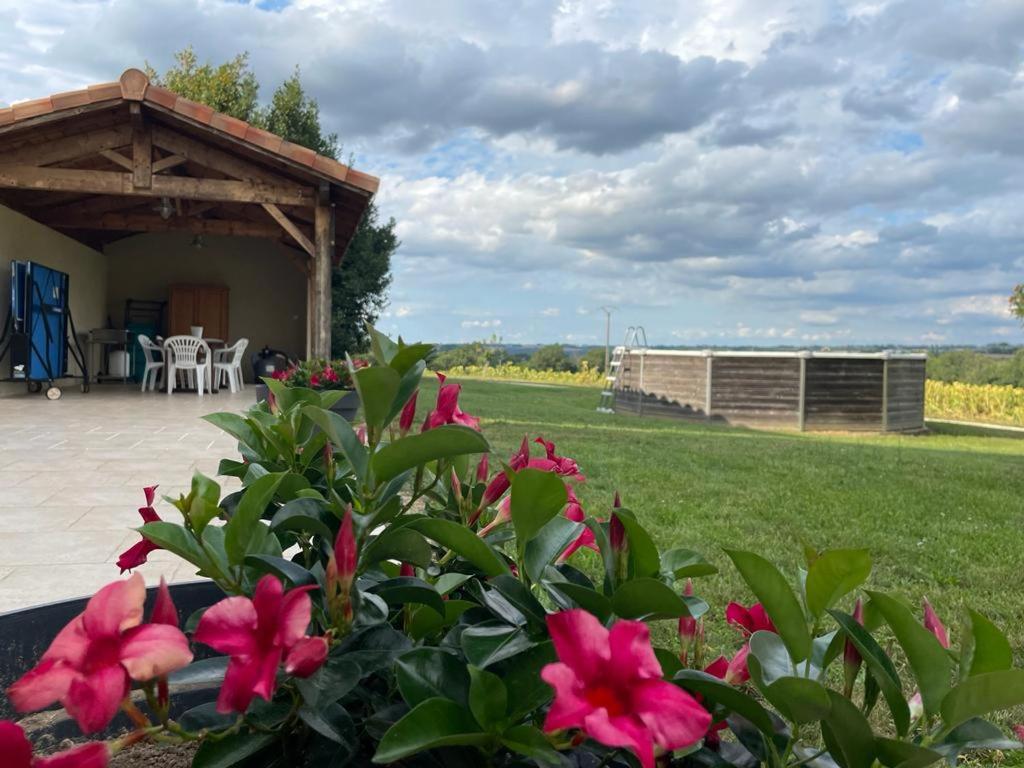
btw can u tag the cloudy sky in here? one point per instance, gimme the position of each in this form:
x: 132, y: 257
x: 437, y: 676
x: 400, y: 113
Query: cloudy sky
x: 720, y: 171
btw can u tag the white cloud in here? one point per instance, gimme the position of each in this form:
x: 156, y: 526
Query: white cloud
x: 550, y: 312
x: 813, y: 317
x: 480, y: 323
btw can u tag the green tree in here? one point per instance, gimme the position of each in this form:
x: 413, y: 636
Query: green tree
x: 487, y: 352
x: 1017, y: 302
x: 594, y: 358
x: 551, y: 357
x: 359, y: 284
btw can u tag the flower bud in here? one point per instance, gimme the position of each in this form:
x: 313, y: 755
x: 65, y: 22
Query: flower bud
x: 407, y: 570
x: 456, y: 486
x: 345, y: 550
x: 483, y: 468
x: 934, y: 625
x: 408, y: 414
x: 851, y: 656
x: 306, y: 656
x: 164, y: 611
x: 272, y: 402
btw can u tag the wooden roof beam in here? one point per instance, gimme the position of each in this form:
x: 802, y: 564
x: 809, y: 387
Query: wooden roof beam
x: 114, y: 183
x: 140, y: 222
x: 290, y: 227
x: 70, y: 147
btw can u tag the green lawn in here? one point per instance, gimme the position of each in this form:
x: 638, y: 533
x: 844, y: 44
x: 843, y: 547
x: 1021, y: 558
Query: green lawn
x: 943, y: 515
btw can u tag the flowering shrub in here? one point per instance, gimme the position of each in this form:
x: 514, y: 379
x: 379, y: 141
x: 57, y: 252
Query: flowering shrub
x: 320, y: 374
x: 401, y: 596
x: 585, y: 376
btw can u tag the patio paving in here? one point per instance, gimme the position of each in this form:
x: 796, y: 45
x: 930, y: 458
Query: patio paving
x: 71, y: 479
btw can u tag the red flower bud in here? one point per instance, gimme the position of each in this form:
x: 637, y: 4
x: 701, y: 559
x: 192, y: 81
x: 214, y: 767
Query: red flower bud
x: 483, y: 468
x: 687, y: 624
x: 617, y: 534
x: 934, y: 625
x: 164, y: 611
x: 617, y: 501
x: 405, y: 420
x: 306, y: 656
x: 345, y: 550
x: 407, y: 570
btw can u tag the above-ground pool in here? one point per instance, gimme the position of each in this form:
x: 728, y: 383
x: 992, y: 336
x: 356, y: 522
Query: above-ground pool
x: 880, y: 392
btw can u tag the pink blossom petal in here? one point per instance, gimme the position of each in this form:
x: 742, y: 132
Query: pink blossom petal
x: 760, y: 619
x: 631, y: 651
x: 447, y: 400
x: 569, y: 709
x: 136, y: 555
x: 71, y: 644
x: 93, y: 755
x: 294, y: 616
x: 737, y: 673
x: 229, y: 627
x: 93, y: 700
x: 267, y: 599
x: 154, y: 650
x: 150, y: 492
x: 266, y: 678
x: 306, y: 656
x: 581, y: 642
x: 16, y: 749
x: 236, y: 692
x: 739, y: 617
x: 673, y: 716
x: 621, y: 731
x: 164, y: 611
x: 115, y: 608
x: 933, y: 624
x: 46, y: 683
x: 718, y: 667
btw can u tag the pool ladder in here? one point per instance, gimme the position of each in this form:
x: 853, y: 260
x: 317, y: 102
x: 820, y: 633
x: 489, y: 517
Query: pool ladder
x: 636, y: 338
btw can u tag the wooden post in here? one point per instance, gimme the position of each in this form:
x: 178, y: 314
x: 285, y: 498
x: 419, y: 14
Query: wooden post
x: 142, y: 150
x: 885, y: 393
x: 802, y: 413
x: 323, y: 244
x: 708, y: 356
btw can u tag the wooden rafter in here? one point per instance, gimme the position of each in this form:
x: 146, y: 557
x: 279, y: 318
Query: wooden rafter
x: 117, y: 158
x: 290, y: 227
x: 69, y: 147
x: 142, y: 151
x: 166, y: 163
x: 215, y: 159
x: 114, y: 183
x: 141, y: 222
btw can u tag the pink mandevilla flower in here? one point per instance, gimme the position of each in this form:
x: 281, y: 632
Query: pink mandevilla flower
x: 586, y: 539
x: 446, y: 410
x: 137, y: 554
x: 1018, y: 731
x: 749, y: 620
x: 408, y: 414
x: 934, y: 624
x: 609, y: 685
x: 689, y: 627
x: 733, y: 671
x: 563, y: 464
x: 16, y: 751
x: 258, y: 634
x: 90, y: 663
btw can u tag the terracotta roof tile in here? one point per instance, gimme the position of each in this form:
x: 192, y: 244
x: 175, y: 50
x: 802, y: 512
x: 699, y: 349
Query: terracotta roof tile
x: 134, y: 85
x: 32, y: 108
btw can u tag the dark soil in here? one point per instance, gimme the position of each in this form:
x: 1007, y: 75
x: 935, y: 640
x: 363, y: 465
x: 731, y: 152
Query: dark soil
x: 144, y: 755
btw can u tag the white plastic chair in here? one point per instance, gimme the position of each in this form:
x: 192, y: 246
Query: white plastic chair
x: 154, y: 366
x: 183, y: 356
x: 227, y: 365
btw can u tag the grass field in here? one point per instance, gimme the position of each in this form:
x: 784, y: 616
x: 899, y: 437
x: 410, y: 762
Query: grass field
x: 943, y: 515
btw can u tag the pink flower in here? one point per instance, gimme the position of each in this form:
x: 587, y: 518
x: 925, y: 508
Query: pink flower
x: 314, y: 381
x: 586, y: 539
x: 341, y: 568
x: 89, y: 664
x: 733, y: 671
x: 408, y: 414
x: 934, y: 625
x: 500, y: 482
x: 1018, y: 731
x: 17, y: 752
x: 563, y: 464
x: 749, y: 620
x: 447, y: 411
x: 257, y: 634
x: 690, y: 629
x: 609, y: 685
x: 406, y: 570
x: 137, y: 554
x: 330, y: 374
x: 483, y: 468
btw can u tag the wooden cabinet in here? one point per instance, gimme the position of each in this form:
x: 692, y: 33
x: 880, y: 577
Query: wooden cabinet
x: 205, y: 305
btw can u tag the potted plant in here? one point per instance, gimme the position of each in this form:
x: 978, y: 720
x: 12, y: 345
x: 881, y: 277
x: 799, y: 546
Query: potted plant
x: 434, y: 612
x: 322, y: 375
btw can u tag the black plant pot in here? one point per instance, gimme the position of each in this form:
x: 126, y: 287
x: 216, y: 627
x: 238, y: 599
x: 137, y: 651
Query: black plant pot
x: 26, y: 634
x: 346, y: 407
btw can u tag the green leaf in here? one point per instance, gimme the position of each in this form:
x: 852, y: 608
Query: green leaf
x: 240, y: 529
x: 731, y: 698
x: 537, y: 497
x: 651, y: 599
x: 775, y: 594
x: 202, y: 671
x: 286, y: 570
x: 883, y: 671
x: 527, y: 692
x: 377, y: 386
x: 331, y: 721
x: 427, y: 673
x: 588, y: 599
x: 789, y: 686
x: 400, y: 544
x: 833, y: 575
x: 302, y: 515
x: 174, y: 538
x: 985, y: 647
x: 549, y: 543
x: 685, y: 564
x: 929, y: 661
x: 425, y: 621
x: 528, y: 740
x: 519, y: 596
x: 982, y: 694
x: 491, y: 642
x: 409, y: 355
x: 410, y: 382
x: 231, y: 750
x: 236, y: 426
x: 643, y: 554
x: 901, y: 754
x: 432, y: 723
x: 463, y: 541
x: 413, y: 450
x: 488, y: 699
x: 848, y: 733
x: 383, y: 348
x: 341, y: 435
x: 408, y: 589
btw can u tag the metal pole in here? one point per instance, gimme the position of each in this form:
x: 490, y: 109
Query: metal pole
x: 607, y: 337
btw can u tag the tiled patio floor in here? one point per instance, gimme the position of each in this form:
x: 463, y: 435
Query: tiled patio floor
x: 71, y: 479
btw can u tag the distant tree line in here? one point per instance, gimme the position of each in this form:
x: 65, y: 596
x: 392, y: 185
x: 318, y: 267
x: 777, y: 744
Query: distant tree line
x: 551, y: 357
x: 973, y: 367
